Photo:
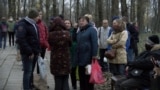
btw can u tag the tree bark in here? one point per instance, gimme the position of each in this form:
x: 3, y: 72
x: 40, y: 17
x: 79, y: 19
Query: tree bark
x: 132, y: 10
x: 100, y: 12
x: 140, y: 14
x: 54, y: 7
x: 115, y: 8
x: 124, y: 8
x: 77, y: 10
x: 12, y: 8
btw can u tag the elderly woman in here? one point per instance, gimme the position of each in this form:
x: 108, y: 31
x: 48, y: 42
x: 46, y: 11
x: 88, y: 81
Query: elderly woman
x: 87, y: 47
x: 60, y: 42
x: 118, y: 40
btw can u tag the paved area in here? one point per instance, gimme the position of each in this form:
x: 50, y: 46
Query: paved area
x: 11, y: 71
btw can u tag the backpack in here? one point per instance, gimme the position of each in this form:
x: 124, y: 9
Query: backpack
x: 3, y: 27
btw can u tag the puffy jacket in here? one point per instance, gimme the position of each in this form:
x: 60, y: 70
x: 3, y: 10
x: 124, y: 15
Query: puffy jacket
x: 28, y: 38
x: 43, y: 34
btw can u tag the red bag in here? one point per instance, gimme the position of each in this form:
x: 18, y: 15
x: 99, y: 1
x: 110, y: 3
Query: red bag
x: 96, y: 73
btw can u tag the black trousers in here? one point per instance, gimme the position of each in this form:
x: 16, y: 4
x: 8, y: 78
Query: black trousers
x: 73, y: 77
x: 101, y: 61
x: 43, y: 51
x: 84, y: 80
x: 11, y: 38
x: 61, y: 82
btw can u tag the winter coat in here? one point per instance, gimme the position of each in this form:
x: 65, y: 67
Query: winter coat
x: 103, y: 36
x: 28, y: 38
x: 118, y: 42
x: 5, y: 25
x: 73, y: 47
x: 11, y: 26
x: 60, y: 42
x: 87, y: 45
x: 143, y: 62
x: 43, y: 34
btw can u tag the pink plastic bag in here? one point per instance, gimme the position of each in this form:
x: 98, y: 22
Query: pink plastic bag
x: 96, y: 73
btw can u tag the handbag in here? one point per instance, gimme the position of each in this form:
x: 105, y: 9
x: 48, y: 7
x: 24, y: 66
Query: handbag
x: 96, y: 76
x: 110, y: 54
x: 42, y: 68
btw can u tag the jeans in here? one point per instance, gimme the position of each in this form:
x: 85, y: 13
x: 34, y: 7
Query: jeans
x: 61, y: 82
x: 3, y: 37
x: 28, y: 68
x: 130, y: 55
x: 117, y: 69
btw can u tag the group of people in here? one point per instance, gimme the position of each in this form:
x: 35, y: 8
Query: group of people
x: 75, y: 46
x: 7, y: 27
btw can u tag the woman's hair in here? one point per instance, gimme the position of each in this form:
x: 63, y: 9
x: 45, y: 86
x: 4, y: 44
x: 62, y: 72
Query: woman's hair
x: 69, y: 21
x: 85, y: 18
x: 58, y: 23
x: 121, y: 24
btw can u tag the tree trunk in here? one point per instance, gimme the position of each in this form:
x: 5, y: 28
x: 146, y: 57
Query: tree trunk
x: 140, y: 14
x: 77, y: 10
x: 63, y: 8
x: 12, y: 8
x: 100, y: 12
x: 132, y: 11
x: 96, y: 12
x: 70, y: 10
x: 1, y: 8
x: 24, y: 8
x: 124, y: 9
x: 87, y: 5
x: 115, y: 8
x: 54, y: 7
x: 47, y: 11
x: 18, y: 9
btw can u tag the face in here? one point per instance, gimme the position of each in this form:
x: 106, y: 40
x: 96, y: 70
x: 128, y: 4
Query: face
x: 40, y: 15
x: 68, y: 24
x: 83, y: 22
x: 37, y: 18
x: 105, y: 23
x: 3, y: 19
x: 115, y: 25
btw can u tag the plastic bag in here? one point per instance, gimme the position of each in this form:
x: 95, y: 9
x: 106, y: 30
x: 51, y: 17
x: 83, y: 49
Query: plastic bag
x: 96, y: 73
x: 42, y: 67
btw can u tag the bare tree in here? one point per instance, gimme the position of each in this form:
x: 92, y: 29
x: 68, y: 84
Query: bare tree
x: 140, y: 14
x: 124, y: 8
x: 12, y: 8
x: 54, y: 7
x: 133, y: 10
x: 115, y: 8
x: 77, y: 10
x: 100, y: 12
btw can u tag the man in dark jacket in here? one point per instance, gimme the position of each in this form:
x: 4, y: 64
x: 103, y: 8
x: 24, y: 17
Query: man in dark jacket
x: 28, y: 40
x: 139, y: 71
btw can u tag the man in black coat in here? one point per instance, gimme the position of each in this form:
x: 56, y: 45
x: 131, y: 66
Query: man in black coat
x: 28, y: 41
x: 139, y: 70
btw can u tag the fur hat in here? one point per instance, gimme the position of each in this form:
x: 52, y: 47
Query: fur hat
x: 153, y: 39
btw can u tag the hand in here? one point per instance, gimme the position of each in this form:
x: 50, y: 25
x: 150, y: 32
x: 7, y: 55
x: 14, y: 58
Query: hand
x: 31, y: 56
x: 94, y: 58
x: 127, y: 68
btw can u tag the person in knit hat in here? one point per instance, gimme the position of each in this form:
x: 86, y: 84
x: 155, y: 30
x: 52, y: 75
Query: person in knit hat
x: 138, y: 71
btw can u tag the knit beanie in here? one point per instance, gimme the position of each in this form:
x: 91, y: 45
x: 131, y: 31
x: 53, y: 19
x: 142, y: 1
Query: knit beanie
x: 33, y: 13
x: 153, y: 39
